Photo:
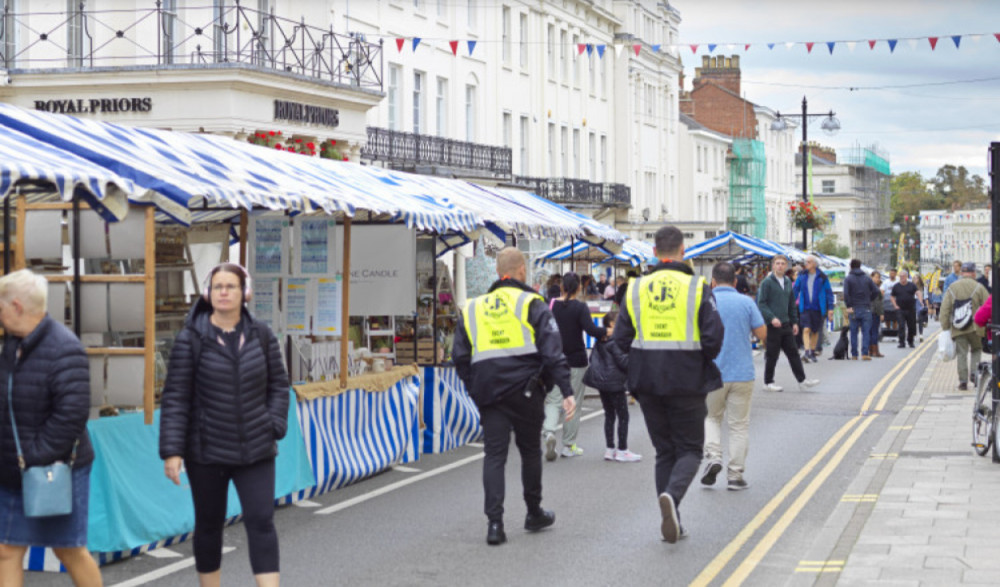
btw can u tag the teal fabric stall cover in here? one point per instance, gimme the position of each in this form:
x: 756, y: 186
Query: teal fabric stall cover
x: 132, y: 503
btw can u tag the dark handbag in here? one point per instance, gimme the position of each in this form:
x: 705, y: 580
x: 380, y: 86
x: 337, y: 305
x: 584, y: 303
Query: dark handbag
x: 46, y: 490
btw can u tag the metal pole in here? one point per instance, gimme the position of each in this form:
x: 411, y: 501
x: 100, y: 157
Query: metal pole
x: 805, y: 180
x: 994, y: 259
x: 77, y: 301
x: 6, y: 234
x: 434, y: 306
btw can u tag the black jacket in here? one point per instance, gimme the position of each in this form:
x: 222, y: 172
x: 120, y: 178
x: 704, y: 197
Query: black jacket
x: 608, y: 368
x: 674, y: 372
x: 859, y: 289
x: 51, y: 400
x: 491, y: 380
x: 222, y: 410
x: 573, y: 318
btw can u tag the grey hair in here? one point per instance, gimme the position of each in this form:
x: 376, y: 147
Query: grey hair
x: 902, y: 271
x: 31, y: 289
x: 812, y: 258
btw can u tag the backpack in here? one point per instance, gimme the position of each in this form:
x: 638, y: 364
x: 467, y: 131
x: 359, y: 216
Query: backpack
x: 961, y: 316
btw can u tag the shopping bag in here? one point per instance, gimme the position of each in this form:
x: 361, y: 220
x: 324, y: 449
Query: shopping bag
x: 946, y: 347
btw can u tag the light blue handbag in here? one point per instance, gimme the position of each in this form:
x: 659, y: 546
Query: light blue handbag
x: 47, y: 490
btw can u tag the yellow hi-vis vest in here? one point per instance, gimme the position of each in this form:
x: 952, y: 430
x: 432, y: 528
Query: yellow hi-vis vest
x: 664, y: 310
x: 497, y: 324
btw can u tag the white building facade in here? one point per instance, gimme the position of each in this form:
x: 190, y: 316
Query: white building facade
x: 948, y: 236
x: 780, y: 191
x: 704, y: 177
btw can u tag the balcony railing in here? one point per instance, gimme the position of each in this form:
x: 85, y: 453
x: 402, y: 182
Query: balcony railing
x: 194, y: 36
x: 564, y: 190
x: 404, y: 150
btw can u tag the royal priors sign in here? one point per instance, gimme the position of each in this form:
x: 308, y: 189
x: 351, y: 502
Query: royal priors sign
x: 95, y: 105
x: 306, y: 113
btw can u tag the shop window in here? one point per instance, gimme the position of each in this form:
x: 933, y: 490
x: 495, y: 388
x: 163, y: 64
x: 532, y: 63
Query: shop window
x: 470, y: 113
x: 523, y: 32
x: 442, y: 106
x: 395, y: 75
x: 418, y: 102
x: 829, y: 186
x: 524, y: 145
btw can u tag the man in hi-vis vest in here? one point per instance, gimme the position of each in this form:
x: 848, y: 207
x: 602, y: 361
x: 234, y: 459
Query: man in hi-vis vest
x: 669, y: 325
x: 508, y: 352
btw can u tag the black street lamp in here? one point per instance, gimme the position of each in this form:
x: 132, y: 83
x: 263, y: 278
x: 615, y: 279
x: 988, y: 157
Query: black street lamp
x: 830, y: 125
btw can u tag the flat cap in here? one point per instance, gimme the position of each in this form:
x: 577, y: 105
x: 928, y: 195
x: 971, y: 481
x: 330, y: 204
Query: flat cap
x: 969, y: 267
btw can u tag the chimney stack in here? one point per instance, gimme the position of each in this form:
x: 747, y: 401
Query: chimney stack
x: 723, y: 71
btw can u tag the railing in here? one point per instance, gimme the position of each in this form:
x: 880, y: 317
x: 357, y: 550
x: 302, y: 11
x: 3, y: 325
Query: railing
x: 193, y: 36
x: 402, y: 149
x: 577, y: 191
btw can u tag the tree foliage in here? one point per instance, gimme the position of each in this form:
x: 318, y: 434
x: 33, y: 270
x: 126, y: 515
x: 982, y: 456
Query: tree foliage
x: 829, y: 245
x: 950, y: 189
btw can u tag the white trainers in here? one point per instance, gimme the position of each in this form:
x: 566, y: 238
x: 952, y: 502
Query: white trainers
x: 550, y: 446
x: 627, y: 456
x: 572, y: 450
x: 808, y: 383
x: 773, y: 387
x: 609, y: 454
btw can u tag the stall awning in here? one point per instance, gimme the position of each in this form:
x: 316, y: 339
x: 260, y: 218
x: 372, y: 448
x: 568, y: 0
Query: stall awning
x: 632, y: 252
x: 179, y: 171
x: 732, y: 244
x: 25, y: 160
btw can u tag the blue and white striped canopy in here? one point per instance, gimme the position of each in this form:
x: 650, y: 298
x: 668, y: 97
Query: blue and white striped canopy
x: 732, y: 244
x: 27, y: 160
x: 181, y: 170
x: 632, y: 252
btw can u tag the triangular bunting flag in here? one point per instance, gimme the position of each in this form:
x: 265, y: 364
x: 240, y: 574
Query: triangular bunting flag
x: 636, y: 48
x: 472, y: 47
x: 656, y: 48
x: 746, y: 47
x: 789, y: 45
x: 809, y: 47
x: 851, y: 45
x: 997, y: 35
x: 957, y: 39
x: 871, y: 44
x: 580, y: 48
x: 600, y: 50
x: 399, y: 44
x: 933, y: 42
x: 770, y: 46
x: 711, y: 47
x: 416, y: 41
x: 730, y: 47
x: 694, y: 48
x: 618, y: 49
x: 830, y: 45
x: 975, y: 38
x: 892, y: 45
x: 912, y: 43
x: 454, y: 47
x: 590, y: 49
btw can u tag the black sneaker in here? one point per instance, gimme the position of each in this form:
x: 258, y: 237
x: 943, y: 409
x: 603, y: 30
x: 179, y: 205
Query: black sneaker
x: 963, y: 387
x: 711, y: 471
x: 495, y: 534
x: 539, y: 520
x: 901, y: 346
x: 911, y: 345
x: 737, y: 485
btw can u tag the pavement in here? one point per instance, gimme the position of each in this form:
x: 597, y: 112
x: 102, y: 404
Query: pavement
x: 923, y: 510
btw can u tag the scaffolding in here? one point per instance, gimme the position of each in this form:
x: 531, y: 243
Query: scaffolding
x: 747, y: 176
x: 872, y: 234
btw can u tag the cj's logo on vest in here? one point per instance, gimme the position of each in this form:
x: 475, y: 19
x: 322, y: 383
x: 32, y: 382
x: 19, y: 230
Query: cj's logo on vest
x: 662, y: 294
x: 495, y: 306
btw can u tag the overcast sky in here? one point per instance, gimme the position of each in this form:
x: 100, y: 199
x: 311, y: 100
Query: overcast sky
x: 921, y: 127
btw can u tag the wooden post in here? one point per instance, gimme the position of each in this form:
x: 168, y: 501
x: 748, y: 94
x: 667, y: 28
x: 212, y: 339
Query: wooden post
x: 345, y: 299
x: 20, y: 216
x: 149, y: 379
x: 243, y: 238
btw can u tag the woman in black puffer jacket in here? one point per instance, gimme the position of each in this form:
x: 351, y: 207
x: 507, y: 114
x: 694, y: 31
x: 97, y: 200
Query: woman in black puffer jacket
x: 224, y: 407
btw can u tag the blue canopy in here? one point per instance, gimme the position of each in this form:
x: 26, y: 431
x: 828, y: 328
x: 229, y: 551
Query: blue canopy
x: 632, y: 252
x: 731, y: 244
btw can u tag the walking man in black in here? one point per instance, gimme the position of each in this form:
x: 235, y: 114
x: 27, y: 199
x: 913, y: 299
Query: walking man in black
x: 776, y: 300
x: 507, y: 346
x: 904, y: 298
x: 669, y: 325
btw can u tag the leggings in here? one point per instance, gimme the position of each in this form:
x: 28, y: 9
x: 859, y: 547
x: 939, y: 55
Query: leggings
x: 615, y: 404
x: 255, y: 487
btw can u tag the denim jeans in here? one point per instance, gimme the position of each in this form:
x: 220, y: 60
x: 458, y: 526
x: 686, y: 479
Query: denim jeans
x: 861, y: 318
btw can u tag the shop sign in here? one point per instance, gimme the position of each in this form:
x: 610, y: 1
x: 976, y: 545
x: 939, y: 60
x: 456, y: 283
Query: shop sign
x: 306, y: 113
x: 95, y: 105
x: 383, y: 270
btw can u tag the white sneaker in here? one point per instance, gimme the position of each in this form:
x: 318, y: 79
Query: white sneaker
x: 550, y: 446
x: 609, y: 454
x: 808, y: 383
x: 773, y: 387
x: 572, y: 451
x: 627, y: 456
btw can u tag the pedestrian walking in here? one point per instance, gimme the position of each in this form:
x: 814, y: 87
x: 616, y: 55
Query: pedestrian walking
x: 905, y: 296
x: 955, y: 275
x: 776, y: 301
x: 815, y: 298
x: 607, y: 374
x: 859, y: 291
x: 742, y: 284
x: 224, y: 408
x: 741, y: 318
x: 671, y: 330
x: 984, y: 279
x: 958, y: 308
x: 921, y: 305
x: 507, y: 351
x: 878, y: 310
x: 573, y: 318
x: 46, y: 396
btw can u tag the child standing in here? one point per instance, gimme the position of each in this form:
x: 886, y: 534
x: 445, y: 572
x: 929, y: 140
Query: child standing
x: 606, y: 374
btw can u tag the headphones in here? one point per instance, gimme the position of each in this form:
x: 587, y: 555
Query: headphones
x: 236, y: 268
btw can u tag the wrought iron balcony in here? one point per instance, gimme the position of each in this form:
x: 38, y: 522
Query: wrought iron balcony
x: 189, y: 35
x: 412, y: 151
x: 579, y: 192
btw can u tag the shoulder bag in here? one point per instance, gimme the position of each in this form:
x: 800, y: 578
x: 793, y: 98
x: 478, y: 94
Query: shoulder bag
x: 46, y: 490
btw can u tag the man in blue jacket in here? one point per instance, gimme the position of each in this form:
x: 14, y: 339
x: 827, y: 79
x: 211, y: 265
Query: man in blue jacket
x: 812, y: 289
x: 859, y: 291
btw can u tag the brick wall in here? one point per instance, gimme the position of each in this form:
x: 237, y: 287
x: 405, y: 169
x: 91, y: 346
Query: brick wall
x: 722, y: 111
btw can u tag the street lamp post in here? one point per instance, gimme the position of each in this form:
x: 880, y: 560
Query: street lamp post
x: 829, y: 124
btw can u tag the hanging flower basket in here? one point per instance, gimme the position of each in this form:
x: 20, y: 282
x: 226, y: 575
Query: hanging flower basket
x: 807, y: 215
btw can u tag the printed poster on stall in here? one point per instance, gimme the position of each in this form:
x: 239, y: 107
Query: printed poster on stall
x: 326, y: 320
x: 265, y: 301
x: 298, y: 305
x: 383, y: 270
x: 268, y: 246
x: 315, y: 247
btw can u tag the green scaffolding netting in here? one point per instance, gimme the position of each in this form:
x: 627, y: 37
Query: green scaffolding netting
x: 747, y: 177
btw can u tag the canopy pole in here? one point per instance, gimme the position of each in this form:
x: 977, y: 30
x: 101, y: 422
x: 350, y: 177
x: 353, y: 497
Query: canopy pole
x: 244, y: 221
x: 434, y: 307
x: 6, y: 232
x: 77, y: 301
x: 345, y: 318
x: 149, y: 353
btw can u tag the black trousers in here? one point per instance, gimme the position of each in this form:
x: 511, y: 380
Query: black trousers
x: 255, y: 487
x: 615, y: 407
x: 676, y: 425
x: 778, y: 340
x: 907, y: 325
x: 523, y: 415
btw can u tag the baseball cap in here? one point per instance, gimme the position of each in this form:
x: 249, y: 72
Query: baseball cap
x: 969, y: 267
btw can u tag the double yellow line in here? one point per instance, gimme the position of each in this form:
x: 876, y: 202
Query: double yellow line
x: 853, y: 430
